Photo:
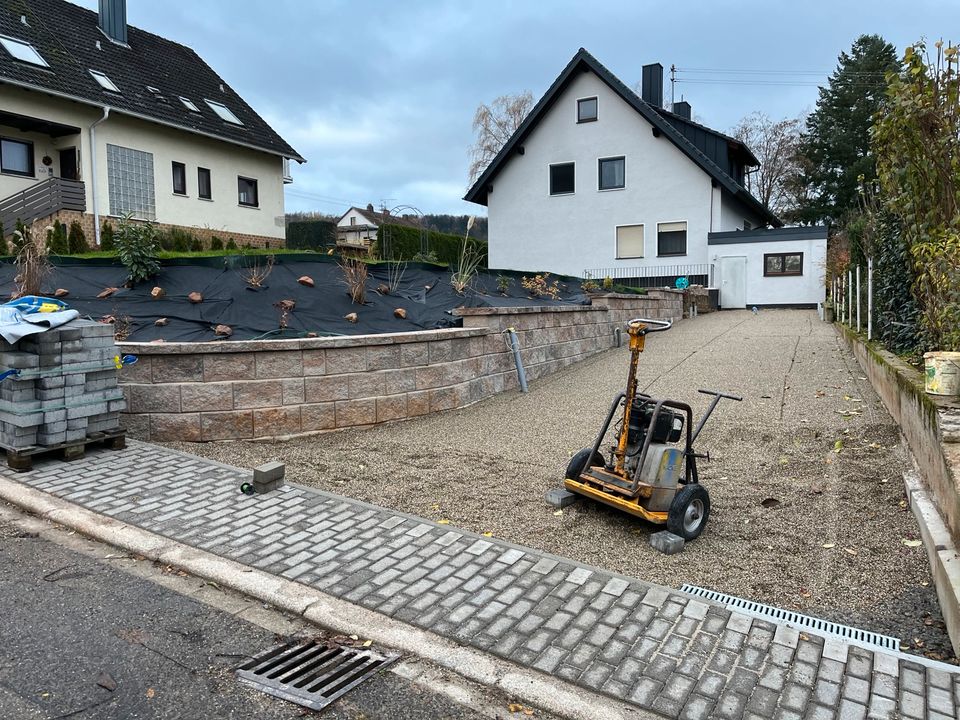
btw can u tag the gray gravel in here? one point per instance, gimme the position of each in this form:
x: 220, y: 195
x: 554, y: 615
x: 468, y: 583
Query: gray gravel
x: 829, y: 545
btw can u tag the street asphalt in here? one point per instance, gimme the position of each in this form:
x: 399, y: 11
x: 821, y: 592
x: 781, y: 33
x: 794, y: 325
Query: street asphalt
x: 73, y: 620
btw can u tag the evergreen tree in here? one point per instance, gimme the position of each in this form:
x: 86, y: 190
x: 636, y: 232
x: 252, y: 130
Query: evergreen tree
x: 835, y: 149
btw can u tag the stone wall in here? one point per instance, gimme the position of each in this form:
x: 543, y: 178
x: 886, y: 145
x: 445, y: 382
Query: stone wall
x: 275, y: 388
x: 205, y: 234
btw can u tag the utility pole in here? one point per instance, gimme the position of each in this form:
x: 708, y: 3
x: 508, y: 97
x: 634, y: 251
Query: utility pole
x: 673, y: 84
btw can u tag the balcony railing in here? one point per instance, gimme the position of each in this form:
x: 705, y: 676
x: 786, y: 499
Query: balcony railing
x: 653, y: 276
x: 41, y: 200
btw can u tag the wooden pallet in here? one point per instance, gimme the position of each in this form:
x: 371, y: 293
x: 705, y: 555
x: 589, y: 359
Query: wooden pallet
x: 21, y: 459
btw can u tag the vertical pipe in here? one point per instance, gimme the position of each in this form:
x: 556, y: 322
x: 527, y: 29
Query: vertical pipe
x: 858, y: 298
x: 869, y: 298
x: 93, y: 174
x: 515, y: 346
x: 849, y: 297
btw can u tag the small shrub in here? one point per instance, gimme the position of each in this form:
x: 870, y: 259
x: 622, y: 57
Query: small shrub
x: 257, y: 273
x: 428, y: 257
x: 77, y: 239
x: 540, y: 286
x: 216, y: 243
x: 589, y: 286
x: 164, y: 241
x: 32, y: 261
x: 57, y: 239
x: 106, y: 237
x: 232, y: 244
x: 608, y: 283
x: 467, y: 265
x: 503, y: 283
x: 355, y: 278
x: 137, y: 249
x: 196, y: 245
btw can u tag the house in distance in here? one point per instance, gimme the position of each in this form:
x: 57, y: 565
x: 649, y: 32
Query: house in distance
x: 99, y: 120
x: 598, y: 182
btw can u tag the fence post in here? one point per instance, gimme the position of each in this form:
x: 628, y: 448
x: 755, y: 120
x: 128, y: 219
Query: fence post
x: 849, y: 297
x: 858, y: 298
x: 869, y: 299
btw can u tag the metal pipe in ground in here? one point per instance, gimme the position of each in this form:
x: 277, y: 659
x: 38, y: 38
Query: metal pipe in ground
x: 869, y: 298
x: 515, y: 346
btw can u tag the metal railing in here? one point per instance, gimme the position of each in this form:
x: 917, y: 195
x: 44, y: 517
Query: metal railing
x: 40, y: 200
x: 653, y: 276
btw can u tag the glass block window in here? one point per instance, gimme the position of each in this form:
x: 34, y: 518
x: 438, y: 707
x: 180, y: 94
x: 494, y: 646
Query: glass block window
x: 130, y: 181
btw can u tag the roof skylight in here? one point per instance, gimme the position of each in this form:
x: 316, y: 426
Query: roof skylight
x: 23, y: 51
x: 104, y: 82
x: 223, y: 111
x: 189, y: 104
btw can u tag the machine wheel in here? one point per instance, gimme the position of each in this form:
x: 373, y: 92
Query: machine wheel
x: 578, y: 463
x: 689, y: 511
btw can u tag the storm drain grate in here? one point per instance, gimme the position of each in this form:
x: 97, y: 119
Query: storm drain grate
x: 797, y: 620
x: 311, y: 674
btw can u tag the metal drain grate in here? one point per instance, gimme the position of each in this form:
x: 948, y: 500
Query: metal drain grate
x: 311, y: 674
x: 802, y: 622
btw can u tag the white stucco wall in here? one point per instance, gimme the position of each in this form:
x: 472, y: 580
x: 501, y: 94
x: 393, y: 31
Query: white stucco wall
x: 805, y: 289
x: 531, y: 230
x: 358, y: 219
x: 224, y: 160
x: 733, y: 214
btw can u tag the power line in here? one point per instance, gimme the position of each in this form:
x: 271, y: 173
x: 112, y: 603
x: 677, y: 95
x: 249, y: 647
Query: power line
x: 877, y: 73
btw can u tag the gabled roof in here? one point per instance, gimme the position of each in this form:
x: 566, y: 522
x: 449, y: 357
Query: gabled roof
x: 66, y: 36
x: 585, y: 61
x: 680, y: 122
x: 378, y: 218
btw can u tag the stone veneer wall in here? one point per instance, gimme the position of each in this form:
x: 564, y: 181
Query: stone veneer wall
x: 274, y: 388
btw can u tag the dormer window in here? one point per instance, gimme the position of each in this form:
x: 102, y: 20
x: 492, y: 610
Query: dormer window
x: 189, y: 105
x: 586, y: 110
x: 23, y: 51
x: 103, y: 81
x: 223, y: 112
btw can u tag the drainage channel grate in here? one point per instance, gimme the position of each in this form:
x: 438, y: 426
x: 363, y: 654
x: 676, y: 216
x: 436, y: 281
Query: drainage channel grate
x: 310, y: 673
x: 803, y: 622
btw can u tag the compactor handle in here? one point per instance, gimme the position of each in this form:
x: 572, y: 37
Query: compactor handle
x: 652, y: 325
x: 721, y: 395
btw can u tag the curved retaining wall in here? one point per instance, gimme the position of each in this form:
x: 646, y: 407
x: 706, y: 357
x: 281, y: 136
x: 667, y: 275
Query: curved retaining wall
x: 226, y: 390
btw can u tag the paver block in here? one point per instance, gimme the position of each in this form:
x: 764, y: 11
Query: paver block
x: 666, y: 542
x: 560, y: 497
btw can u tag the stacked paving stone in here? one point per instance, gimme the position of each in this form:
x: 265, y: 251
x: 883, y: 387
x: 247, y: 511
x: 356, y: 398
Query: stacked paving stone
x: 67, y: 387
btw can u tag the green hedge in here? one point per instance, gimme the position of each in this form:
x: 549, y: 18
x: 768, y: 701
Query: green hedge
x: 311, y: 234
x: 404, y: 244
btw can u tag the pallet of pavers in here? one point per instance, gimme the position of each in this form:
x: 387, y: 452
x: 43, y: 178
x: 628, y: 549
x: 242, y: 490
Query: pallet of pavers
x: 65, y: 396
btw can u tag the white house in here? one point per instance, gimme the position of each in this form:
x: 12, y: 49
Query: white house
x: 357, y: 227
x: 99, y: 119
x: 602, y: 182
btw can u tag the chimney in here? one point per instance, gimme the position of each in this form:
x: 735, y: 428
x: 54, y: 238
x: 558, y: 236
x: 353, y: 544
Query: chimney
x: 682, y: 109
x: 369, y: 207
x: 651, y: 84
x: 113, y: 20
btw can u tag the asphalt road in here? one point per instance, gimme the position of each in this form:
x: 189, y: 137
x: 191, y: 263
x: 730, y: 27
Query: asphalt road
x: 71, y: 619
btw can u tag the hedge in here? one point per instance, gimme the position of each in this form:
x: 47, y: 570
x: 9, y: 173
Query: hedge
x: 311, y: 234
x: 405, y: 244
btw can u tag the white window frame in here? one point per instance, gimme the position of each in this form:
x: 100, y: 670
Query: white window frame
x: 104, y: 81
x: 616, y: 243
x: 25, y: 52
x: 686, y: 248
x: 549, y: 170
x: 189, y: 104
x: 599, y: 174
x: 223, y: 112
x: 577, y: 109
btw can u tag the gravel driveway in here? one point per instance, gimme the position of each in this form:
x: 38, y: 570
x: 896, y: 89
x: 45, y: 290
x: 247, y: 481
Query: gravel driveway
x: 805, y: 478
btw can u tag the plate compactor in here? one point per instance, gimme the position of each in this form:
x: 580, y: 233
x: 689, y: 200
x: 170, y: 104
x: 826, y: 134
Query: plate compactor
x: 652, y: 471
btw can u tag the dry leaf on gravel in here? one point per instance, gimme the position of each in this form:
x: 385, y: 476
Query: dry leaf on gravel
x: 911, y: 543
x: 828, y: 546
x: 850, y: 551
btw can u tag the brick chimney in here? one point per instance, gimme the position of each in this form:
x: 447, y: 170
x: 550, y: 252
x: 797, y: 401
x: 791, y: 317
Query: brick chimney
x: 113, y: 20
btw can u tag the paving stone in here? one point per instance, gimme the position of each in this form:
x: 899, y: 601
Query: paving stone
x: 698, y: 707
x: 645, y: 691
x: 912, y: 705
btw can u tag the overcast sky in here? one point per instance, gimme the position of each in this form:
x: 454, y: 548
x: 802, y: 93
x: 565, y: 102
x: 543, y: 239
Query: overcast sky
x: 379, y: 96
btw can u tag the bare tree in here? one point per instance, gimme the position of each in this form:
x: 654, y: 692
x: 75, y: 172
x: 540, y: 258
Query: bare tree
x: 493, y: 126
x: 774, y: 142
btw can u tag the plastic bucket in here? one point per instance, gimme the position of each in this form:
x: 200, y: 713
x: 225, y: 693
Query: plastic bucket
x: 942, y: 373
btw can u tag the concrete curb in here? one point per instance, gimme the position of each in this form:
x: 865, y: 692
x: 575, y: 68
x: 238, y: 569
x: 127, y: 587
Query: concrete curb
x: 529, y: 686
x: 941, y: 552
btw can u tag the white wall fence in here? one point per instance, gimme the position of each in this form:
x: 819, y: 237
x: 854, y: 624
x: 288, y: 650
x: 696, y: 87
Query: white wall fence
x: 651, y: 276
x: 852, y: 297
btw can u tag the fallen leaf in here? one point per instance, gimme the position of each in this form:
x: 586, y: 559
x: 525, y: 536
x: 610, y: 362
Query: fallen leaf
x: 828, y: 546
x: 838, y: 446
x: 367, y: 643
x: 850, y: 551
x: 151, y: 692
x: 912, y: 543
x: 924, y: 584
x: 488, y: 534
x: 354, y: 637
x: 443, y: 522
x: 804, y: 636
x: 805, y: 593
x: 514, y: 707
x: 559, y: 512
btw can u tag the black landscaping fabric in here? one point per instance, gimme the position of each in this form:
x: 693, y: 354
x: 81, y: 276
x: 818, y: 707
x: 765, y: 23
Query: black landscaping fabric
x: 424, y: 292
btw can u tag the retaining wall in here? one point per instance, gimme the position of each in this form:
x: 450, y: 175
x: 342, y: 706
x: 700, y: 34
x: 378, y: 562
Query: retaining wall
x: 227, y: 390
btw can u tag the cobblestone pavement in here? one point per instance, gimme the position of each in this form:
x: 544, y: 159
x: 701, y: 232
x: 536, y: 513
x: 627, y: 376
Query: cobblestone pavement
x: 659, y: 649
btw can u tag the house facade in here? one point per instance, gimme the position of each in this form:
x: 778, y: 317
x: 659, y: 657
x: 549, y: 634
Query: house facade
x: 99, y: 120
x: 599, y: 181
x: 357, y: 228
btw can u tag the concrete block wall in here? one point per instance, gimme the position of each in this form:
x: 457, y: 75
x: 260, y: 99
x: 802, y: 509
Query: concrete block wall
x: 67, y: 388
x: 201, y: 392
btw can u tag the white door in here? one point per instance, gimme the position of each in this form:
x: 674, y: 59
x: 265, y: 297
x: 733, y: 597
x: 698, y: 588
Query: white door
x: 733, y: 282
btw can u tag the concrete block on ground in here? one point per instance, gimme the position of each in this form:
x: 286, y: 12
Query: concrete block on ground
x: 269, y: 476
x: 560, y: 497
x: 666, y: 542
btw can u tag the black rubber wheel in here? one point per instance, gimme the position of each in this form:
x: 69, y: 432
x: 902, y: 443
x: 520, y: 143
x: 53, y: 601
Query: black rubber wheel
x: 578, y: 463
x: 689, y: 511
